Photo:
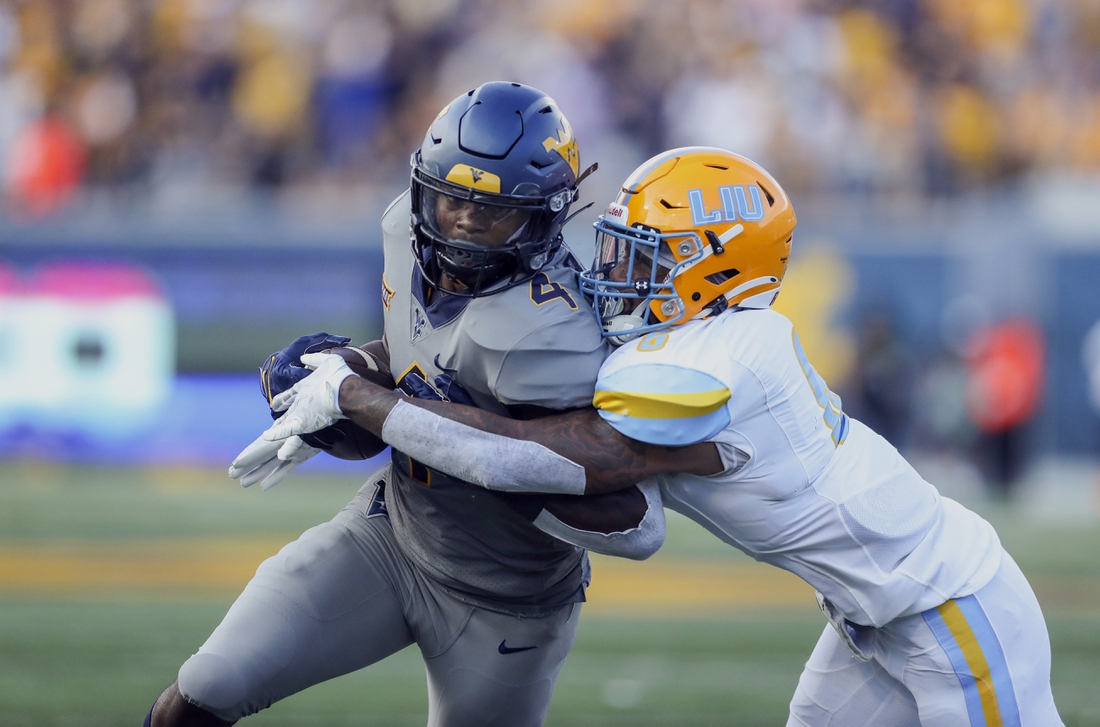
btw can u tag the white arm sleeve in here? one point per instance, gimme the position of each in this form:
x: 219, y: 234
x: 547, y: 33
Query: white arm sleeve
x: 638, y: 543
x: 489, y: 460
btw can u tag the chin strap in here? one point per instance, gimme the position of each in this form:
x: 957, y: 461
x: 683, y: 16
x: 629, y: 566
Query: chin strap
x: 582, y: 209
x: 576, y: 191
x: 586, y: 172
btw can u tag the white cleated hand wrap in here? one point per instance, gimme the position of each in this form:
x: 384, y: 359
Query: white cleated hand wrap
x: 489, y: 460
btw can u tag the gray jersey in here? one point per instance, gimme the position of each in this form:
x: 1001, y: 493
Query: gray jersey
x: 536, y: 343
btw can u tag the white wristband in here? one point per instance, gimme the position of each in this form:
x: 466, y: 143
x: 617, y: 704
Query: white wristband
x: 489, y: 460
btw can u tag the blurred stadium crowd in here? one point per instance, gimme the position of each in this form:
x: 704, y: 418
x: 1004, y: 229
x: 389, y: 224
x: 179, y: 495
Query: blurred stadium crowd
x: 126, y: 99
x: 311, y: 108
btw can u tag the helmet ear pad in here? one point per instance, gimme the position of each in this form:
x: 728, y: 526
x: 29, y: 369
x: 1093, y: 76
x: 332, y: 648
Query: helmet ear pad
x: 503, y: 146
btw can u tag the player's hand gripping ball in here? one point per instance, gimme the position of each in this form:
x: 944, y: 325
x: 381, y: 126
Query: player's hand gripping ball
x: 345, y: 438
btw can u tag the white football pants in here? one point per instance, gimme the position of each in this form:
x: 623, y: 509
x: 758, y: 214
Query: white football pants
x: 978, y: 661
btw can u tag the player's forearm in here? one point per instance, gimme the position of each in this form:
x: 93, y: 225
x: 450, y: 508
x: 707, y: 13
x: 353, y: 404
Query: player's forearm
x: 612, y: 512
x: 610, y: 460
x: 367, y: 404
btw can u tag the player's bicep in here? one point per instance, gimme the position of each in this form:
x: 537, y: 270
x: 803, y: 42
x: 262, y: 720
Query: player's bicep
x: 611, y: 460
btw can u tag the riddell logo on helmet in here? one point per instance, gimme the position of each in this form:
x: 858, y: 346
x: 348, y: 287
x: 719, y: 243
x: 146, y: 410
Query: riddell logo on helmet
x: 617, y: 212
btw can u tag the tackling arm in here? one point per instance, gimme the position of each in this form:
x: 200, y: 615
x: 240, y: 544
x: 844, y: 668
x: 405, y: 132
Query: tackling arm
x: 590, y: 452
x: 622, y: 521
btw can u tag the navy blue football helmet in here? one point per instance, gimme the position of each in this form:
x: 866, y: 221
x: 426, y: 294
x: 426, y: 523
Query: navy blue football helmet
x: 491, y: 189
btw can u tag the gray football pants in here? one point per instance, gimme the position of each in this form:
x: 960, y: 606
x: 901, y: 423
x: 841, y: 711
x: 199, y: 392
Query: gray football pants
x: 342, y: 597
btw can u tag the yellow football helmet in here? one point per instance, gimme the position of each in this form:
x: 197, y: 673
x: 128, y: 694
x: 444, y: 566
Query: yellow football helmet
x: 694, y: 230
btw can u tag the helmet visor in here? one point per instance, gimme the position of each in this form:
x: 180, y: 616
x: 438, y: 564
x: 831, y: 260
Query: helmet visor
x: 476, y: 241
x: 478, y: 221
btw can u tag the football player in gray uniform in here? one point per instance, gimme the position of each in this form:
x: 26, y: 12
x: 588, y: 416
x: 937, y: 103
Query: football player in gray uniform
x: 487, y: 584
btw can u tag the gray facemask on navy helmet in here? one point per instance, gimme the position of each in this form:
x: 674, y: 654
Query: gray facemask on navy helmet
x: 491, y: 189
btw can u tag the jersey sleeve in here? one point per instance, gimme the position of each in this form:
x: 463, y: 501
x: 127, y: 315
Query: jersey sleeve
x: 662, y: 403
x: 395, y: 224
x: 555, y: 367
x: 537, y: 343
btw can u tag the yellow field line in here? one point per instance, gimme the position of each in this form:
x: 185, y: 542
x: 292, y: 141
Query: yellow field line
x: 665, y: 584
x: 222, y: 567
x: 148, y: 566
x: 219, y: 568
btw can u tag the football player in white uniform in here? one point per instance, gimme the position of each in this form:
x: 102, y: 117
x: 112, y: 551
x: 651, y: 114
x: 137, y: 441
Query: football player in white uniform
x: 710, y: 393
x: 477, y: 289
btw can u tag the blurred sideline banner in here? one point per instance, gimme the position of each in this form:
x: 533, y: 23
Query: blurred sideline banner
x: 206, y: 420
x: 235, y: 297
x: 84, y: 348
x: 87, y: 360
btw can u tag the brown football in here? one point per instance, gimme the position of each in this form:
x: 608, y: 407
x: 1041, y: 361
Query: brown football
x: 372, y: 363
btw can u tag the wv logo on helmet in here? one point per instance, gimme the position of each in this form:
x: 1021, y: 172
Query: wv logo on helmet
x: 737, y: 202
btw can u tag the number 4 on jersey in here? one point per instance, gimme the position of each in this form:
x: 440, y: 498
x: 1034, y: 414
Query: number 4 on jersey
x: 544, y: 290
x: 835, y: 419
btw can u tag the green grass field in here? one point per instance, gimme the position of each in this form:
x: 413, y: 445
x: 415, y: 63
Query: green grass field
x: 110, y: 579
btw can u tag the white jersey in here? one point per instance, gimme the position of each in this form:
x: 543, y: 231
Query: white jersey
x: 806, y: 488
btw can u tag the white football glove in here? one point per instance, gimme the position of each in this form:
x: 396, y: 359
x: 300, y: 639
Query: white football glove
x: 311, y: 404
x: 261, y: 461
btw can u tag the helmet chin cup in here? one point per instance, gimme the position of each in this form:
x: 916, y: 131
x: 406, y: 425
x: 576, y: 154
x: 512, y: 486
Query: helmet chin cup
x: 619, y: 329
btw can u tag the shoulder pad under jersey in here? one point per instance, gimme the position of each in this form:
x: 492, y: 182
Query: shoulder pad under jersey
x: 662, y: 403
x: 396, y: 218
x: 549, y: 301
x: 538, y: 343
